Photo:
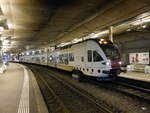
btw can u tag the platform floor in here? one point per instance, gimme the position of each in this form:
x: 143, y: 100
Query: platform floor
x: 136, y: 76
x: 19, y: 92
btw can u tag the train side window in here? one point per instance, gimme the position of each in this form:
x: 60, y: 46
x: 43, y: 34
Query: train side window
x: 82, y: 59
x: 96, y: 56
x: 89, y: 55
x: 71, y: 57
x: 65, y: 58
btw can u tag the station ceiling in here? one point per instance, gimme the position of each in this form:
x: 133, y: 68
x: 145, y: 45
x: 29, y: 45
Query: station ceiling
x: 33, y: 23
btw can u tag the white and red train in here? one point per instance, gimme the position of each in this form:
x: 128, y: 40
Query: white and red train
x: 94, y: 57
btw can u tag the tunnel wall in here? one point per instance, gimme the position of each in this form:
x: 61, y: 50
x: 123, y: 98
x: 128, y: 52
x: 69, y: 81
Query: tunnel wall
x: 132, y: 42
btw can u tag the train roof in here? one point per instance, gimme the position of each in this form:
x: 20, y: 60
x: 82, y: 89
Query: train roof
x: 70, y: 45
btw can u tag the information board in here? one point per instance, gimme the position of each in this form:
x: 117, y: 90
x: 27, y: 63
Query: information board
x: 139, y: 58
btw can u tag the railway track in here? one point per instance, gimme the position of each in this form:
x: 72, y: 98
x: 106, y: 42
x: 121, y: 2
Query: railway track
x: 134, y: 88
x: 63, y: 97
x: 139, y: 92
x: 131, y: 89
x: 136, y: 84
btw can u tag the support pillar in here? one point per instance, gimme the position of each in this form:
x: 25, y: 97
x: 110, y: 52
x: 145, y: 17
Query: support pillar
x: 111, y: 33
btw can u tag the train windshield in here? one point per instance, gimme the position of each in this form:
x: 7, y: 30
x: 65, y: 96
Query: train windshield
x: 110, y: 51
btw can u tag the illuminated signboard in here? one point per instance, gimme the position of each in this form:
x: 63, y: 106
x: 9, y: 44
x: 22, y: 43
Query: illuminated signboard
x: 139, y: 58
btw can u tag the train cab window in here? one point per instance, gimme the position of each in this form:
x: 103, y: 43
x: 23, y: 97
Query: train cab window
x: 96, y: 56
x: 89, y: 55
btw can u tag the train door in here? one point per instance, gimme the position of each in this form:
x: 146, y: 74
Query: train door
x: 93, y: 59
x: 80, y: 56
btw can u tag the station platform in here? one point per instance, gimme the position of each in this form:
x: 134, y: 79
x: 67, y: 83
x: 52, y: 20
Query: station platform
x: 136, y: 76
x: 19, y: 91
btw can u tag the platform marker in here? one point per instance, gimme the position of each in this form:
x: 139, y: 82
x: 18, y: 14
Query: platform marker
x: 24, y: 100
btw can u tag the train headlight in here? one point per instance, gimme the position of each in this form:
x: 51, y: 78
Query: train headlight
x: 120, y: 62
x: 108, y: 63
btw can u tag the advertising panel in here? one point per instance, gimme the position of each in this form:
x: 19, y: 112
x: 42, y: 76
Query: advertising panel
x: 139, y: 58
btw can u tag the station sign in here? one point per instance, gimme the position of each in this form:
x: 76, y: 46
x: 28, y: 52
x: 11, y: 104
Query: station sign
x: 139, y: 58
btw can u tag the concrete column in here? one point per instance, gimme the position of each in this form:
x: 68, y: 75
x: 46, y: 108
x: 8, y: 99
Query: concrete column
x: 111, y: 33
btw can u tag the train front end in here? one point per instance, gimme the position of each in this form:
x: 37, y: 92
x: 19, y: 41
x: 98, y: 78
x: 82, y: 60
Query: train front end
x: 113, y: 58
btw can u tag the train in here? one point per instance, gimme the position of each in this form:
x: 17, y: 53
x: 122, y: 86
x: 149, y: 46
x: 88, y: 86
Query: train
x: 97, y: 58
